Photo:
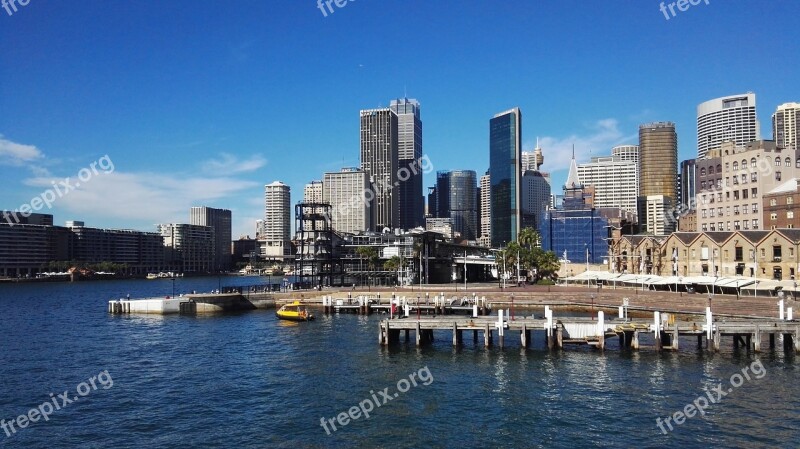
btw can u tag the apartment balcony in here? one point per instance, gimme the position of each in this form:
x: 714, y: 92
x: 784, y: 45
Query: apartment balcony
x: 776, y: 259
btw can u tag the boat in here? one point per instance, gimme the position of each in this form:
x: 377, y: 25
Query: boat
x: 152, y: 276
x: 294, y: 312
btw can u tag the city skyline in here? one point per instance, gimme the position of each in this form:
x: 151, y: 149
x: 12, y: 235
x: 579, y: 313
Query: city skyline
x: 183, y: 132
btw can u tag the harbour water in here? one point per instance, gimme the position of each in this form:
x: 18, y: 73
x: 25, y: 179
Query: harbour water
x: 249, y: 380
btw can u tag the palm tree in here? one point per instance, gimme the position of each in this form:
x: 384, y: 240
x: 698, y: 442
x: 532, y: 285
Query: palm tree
x: 529, y: 238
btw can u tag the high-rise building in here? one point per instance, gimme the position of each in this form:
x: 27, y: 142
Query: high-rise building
x: 786, y: 125
x: 441, y: 195
x: 658, y: 169
x: 627, y: 153
x: 220, y: 220
x: 726, y: 118
x: 532, y: 160
x: 687, y: 179
x: 410, y: 202
x: 463, y: 207
x: 486, y: 210
x: 313, y: 192
x: 346, y: 191
x: 535, y: 197
x: 505, y: 153
x: 379, y: 136
x: 277, y: 223
x: 614, y: 181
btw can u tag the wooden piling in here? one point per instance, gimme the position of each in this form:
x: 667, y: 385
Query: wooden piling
x: 487, y: 336
x: 635, y: 340
x: 419, y: 334
x: 523, y: 336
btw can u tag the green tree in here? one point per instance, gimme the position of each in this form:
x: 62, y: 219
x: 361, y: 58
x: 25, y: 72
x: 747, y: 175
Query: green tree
x: 370, y: 253
x: 529, y: 238
x: 392, y: 264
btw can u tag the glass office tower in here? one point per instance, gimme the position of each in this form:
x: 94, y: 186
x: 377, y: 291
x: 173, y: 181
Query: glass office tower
x: 505, y: 153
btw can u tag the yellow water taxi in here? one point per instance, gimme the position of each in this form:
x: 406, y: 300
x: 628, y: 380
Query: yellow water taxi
x: 294, y: 312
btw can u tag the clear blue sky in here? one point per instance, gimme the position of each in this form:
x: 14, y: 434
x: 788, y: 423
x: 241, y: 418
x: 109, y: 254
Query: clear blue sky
x: 202, y: 103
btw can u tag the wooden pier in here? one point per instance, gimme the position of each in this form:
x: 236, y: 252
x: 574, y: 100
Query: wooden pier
x: 664, y: 331
x: 395, y: 305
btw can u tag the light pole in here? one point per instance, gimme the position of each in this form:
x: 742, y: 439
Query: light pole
x: 465, y: 270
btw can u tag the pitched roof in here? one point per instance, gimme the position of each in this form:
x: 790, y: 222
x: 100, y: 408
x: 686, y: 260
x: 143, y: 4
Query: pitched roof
x: 686, y: 237
x: 792, y: 234
x: 719, y: 236
x: 754, y: 236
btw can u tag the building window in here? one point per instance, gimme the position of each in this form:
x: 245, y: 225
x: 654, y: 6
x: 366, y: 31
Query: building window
x: 735, y: 166
x: 773, y: 202
x: 788, y: 162
x: 789, y: 200
x: 704, y: 227
x: 727, y: 167
x: 755, y: 224
x: 754, y: 192
x: 777, y: 176
x: 790, y: 214
x: 736, y: 227
x: 797, y: 163
x: 702, y: 185
x: 755, y: 208
x: 746, y: 224
x: 744, y: 164
x: 753, y: 163
x: 776, y: 253
x: 711, y: 170
x: 763, y: 253
x: 736, y: 194
x: 703, y: 171
x: 703, y: 213
x: 744, y: 194
x: 773, y: 216
x: 711, y: 212
x: 719, y: 168
x: 736, y: 210
x: 719, y: 211
x: 777, y: 162
x: 735, y: 180
x: 754, y: 177
x: 719, y: 225
x: 726, y: 181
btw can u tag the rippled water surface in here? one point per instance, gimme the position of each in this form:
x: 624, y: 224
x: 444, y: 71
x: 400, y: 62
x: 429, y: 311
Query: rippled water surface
x: 249, y: 380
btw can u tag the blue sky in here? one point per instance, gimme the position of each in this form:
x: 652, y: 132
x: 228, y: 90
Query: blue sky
x: 202, y: 103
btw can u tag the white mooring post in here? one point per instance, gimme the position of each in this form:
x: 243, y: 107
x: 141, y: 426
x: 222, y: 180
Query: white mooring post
x: 500, y: 322
x: 601, y: 331
x: 621, y: 312
x: 407, y: 309
x: 474, y: 311
x: 780, y: 307
x: 709, y: 324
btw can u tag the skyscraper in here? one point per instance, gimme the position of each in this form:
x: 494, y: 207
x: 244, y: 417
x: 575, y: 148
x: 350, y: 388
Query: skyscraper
x: 277, y: 223
x: 726, y: 118
x: 505, y: 152
x: 658, y: 169
x: 220, y: 221
x: 379, y: 136
x: 535, y: 197
x: 486, y: 210
x: 614, y: 180
x: 312, y: 193
x: 786, y: 125
x: 345, y: 191
x: 463, y: 207
x: 686, y: 184
x: 410, y: 202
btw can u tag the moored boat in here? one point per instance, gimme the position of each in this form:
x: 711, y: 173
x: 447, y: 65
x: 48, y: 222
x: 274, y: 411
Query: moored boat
x: 294, y: 312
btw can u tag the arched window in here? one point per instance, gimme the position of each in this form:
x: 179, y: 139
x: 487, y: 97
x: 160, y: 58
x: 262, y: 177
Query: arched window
x: 753, y: 163
x: 711, y: 170
x: 797, y: 163
x: 719, y: 168
x: 744, y: 164
x: 735, y: 166
x: 788, y: 162
x: 703, y: 171
x: 777, y: 162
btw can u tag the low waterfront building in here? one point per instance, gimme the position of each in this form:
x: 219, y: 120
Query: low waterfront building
x: 780, y: 206
x: 221, y: 221
x: 190, y: 248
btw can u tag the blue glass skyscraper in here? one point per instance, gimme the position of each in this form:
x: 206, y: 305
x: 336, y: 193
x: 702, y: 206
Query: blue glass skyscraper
x: 505, y: 154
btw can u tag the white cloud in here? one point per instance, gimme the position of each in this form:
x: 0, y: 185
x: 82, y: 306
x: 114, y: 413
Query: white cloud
x: 17, y: 154
x: 152, y: 197
x: 596, y: 139
x: 228, y: 164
